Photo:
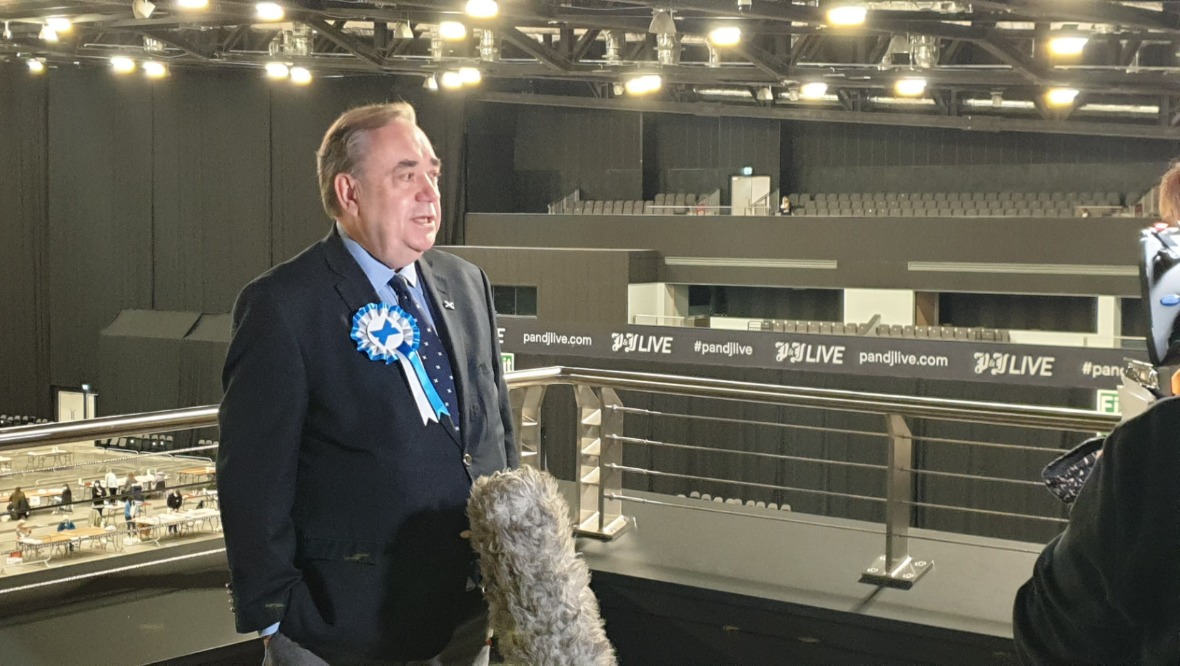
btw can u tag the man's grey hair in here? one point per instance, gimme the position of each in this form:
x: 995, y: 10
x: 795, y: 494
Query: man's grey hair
x: 345, y: 145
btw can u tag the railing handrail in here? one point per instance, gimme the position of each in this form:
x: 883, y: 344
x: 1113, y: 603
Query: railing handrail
x: 108, y: 426
x: 991, y: 413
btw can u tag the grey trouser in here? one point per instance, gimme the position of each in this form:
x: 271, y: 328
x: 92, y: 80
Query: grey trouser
x: 468, y: 647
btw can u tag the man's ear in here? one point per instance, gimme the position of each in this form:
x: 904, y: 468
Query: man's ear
x: 345, y: 186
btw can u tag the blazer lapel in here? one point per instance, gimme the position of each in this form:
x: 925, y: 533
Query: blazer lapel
x: 354, y: 288
x: 450, y: 331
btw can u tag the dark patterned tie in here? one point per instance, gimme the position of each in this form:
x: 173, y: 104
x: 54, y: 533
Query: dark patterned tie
x: 431, y: 350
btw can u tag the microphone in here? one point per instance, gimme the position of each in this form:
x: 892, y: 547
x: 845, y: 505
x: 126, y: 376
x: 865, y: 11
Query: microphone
x: 540, y: 603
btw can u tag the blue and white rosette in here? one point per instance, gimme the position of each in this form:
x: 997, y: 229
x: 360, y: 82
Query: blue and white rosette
x: 388, y: 333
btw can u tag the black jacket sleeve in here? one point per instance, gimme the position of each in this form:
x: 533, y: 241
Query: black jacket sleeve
x: 261, y: 419
x: 1106, y: 589
x: 511, y: 451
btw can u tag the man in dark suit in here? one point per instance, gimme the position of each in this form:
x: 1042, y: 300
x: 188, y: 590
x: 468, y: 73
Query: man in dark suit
x: 347, y: 448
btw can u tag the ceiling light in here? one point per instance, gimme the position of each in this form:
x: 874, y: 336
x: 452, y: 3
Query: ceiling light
x: 489, y: 49
x: 1060, y: 96
x: 36, y: 65
x: 737, y: 93
x: 122, y: 64
x: 59, y: 23
x: 430, y: 83
x: 277, y: 70
x: 813, y: 90
x: 1071, y: 44
x: 661, y: 23
x: 451, y: 80
x: 924, y: 51
x: 643, y: 84
x: 269, y: 11
x: 452, y: 30
x: 842, y: 14
x: 47, y: 34
x: 300, y: 76
x: 142, y: 9
x: 725, y: 35
x: 155, y: 70
x: 192, y: 4
x: 470, y: 75
x: 482, y: 9
x: 401, y: 30
x: 1020, y: 104
x: 910, y: 87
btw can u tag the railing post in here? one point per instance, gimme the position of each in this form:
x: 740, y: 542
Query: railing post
x: 599, y: 514
x: 528, y: 427
x: 897, y: 568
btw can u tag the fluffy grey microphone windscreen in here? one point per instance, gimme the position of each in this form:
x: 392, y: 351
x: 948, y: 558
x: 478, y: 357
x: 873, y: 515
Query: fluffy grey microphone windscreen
x: 542, y: 609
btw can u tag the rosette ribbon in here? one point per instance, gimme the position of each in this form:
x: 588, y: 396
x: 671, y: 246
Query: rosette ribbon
x: 388, y: 333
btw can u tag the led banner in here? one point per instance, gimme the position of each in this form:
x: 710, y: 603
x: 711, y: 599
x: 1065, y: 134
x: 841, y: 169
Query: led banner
x: 1004, y: 363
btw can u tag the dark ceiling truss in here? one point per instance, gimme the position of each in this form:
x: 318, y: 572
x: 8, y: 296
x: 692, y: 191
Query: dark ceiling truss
x: 983, y: 49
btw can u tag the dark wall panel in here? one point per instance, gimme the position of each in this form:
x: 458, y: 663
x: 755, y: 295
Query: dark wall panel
x: 100, y: 213
x: 829, y: 157
x: 560, y: 150
x: 582, y: 286
x: 491, y: 135
x: 24, y: 307
x: 212, y: 188
x: 699, y: 154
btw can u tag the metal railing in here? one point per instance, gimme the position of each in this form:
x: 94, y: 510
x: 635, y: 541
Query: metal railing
x: 600, y: 492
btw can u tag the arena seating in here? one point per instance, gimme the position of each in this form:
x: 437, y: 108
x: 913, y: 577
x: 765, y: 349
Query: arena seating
x: 976, y: 334
x: 956, y: 204
x: 678, y: 203
x: 9, y: 420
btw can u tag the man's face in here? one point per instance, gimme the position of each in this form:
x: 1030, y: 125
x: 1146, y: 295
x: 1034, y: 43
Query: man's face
x: 391, y: 204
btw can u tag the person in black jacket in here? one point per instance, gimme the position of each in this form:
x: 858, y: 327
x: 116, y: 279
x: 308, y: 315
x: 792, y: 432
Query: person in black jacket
x: 1107, y: 590
x: 363, y: 396
x: 175, y: 501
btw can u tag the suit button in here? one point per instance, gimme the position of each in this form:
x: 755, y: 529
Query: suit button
x: 467, y: 459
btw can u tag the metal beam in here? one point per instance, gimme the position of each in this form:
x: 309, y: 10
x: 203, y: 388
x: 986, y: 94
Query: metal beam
x: 762, y: 59
x: 829, y: 115
x: 337, y: 37
x: 584, y: 43
x: 170, y: 39
x: 546, y: 55
x: 1014, y: 59
x: 1088, y: 11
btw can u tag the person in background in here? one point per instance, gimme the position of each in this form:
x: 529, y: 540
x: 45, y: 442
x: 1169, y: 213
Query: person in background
x: 1169, y: 201
x: 129, y: 512
x: 97, y: 495
x: 112, y: 482
x: 67, y: 499
x: 18, y: 505
x: 175, y: 501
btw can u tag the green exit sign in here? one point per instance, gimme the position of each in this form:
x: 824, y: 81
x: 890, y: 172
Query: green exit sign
x: 1107, y: 401
x: 508, y: 361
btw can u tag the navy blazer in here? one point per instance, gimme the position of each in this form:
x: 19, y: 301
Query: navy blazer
x: 342, y: 512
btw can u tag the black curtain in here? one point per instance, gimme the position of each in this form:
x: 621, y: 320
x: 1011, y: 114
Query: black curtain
x: 24, y: 244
